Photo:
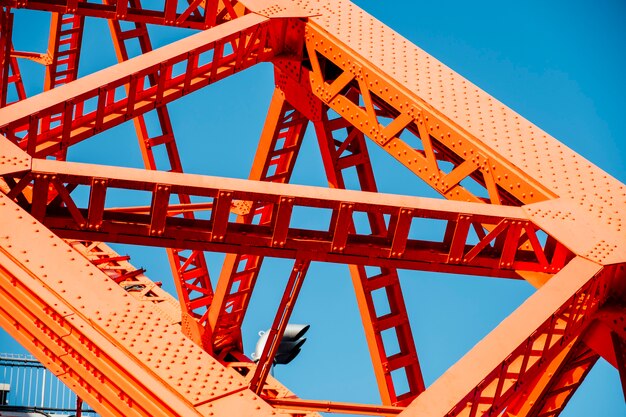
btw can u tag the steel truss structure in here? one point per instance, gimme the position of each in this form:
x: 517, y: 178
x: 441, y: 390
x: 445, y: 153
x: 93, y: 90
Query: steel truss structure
x: 128, y: 348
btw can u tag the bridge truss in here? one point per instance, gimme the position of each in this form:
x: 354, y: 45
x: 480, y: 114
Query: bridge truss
x: 518, y: 204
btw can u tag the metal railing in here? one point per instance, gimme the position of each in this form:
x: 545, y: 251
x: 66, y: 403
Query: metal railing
x: 27, y: 386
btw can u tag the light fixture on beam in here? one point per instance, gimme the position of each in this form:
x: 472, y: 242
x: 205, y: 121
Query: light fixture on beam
x: 290, y: 344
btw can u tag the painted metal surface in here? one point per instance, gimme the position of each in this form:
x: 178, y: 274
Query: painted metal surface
x: 191, y: 275
x: 128, y: 349
x: 496, y: 253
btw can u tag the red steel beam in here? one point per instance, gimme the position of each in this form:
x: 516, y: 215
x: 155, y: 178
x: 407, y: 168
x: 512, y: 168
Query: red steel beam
x: 15, y: 78
x: 408, y: 128
x: 619, y: 347
x: 339, y: 156
x: 180, y: 13
x: 6, y: 35
x: 517, y: 351
x: 189, y: 268
x: 144, y: 290
x: 64, y: 45
x: 386, y: 111
x: 275, y: 158
x: 281, y: 319
x: 551, y: 390
x: 614, y: 317
x: 61, y: 61
x: 87, y: 335
x: 131, y: 279
x: 497, y: 253
x: 66, y: 33
x: 109, y: 97
x: 333, y: 407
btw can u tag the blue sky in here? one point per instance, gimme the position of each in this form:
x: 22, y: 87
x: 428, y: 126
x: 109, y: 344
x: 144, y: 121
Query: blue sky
x: 558, y: 63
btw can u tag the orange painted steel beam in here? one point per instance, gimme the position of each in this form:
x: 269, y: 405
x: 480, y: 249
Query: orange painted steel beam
x: 524, y: 161
x: 553, y: 388
x: 195, y: 290
x: 93, y: 103
x: 88, y: 336
x: 598, y: 338
x: 15, y: 79
x: 333, y: 407
x: 66, y: 33
x: 144, y: 290
x: 275, y: 158
x: 614, y: 317
x: 64, y: 45
x: 407, y: 127
x: 516, y: 351
x: 497, y: 253
x: 194, y: 14
x: 441, y: 127
x: 190, y: 271
x: 132, y: 280
x: 340, y: 156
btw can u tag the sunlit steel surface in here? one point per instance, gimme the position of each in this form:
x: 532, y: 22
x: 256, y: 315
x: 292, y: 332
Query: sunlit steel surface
x: 523, y: 206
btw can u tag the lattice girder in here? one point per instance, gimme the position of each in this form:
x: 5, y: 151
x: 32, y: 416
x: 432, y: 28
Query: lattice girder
x: 501, y: 230
x: 274, y: 161
x: 193, y: 14
x: 327, y: 55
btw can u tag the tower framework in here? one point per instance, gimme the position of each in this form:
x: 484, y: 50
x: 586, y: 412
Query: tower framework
x: 518, y: 205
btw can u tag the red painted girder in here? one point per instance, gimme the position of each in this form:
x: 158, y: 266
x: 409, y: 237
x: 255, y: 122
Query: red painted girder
x: 131, y: 279
x: 190, y: 271
x: 614, y: 317
x: 9, y: 68
x: 180, y: 13
x: 66, y: 33
x: 6, y: 34
x: 551, y: 390
x: 143, y: 289
x: 277, y: 330
x: 619, y: 347
x: 339, y: 156
x: 333, y: 407
x: 110, y: 97
x: 517, y: 351
x: 275, y: 158
x: 497, y: 253
x: 598, y: 336
x: 406, y: 126
x: 15, y: 78
x: 61, y: 61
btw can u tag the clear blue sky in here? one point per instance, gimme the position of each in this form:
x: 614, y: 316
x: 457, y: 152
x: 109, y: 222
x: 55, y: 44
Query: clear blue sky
x: 558, y: 63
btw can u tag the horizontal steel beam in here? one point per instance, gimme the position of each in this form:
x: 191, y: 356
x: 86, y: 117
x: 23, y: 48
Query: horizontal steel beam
x: 195, y: 14
x: 334, y: 407
x: 479, y: 239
